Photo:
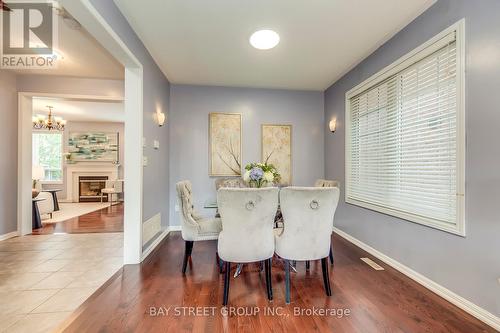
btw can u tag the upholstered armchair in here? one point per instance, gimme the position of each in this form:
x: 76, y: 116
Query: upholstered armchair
x: 46, y: 206
x: 194, y: 226
x: 112, y: 187
x: 308, y: 213
x: 247, y: 229
x: 326, y: 183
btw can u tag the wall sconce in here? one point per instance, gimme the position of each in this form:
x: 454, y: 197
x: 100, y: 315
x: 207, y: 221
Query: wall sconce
x: 333, y: 125
x: 160, y: 118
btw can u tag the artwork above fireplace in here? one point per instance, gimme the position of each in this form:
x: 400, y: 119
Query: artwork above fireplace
x: 93, y: 147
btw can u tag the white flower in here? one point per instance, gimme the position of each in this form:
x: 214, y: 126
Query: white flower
x: 268, y: 176
x: 246, y: 176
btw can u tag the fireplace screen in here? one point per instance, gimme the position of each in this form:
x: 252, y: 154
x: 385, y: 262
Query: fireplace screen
x: 90, y: 188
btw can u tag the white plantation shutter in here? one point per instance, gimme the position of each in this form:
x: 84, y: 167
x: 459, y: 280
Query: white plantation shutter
x: 401, y: 148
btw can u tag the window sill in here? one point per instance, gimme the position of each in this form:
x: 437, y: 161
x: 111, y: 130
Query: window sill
x: 52, y: 182
x: 457, y: 229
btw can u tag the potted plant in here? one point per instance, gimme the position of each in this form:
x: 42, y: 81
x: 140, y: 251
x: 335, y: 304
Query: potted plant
x: 68, y: 157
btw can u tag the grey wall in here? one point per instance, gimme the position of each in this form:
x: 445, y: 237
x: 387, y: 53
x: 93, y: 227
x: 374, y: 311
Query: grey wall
x: 190, y: 106
x: 8, y: 153
x: 89, y: 126
x: 468, y: 266
x: 156, y: 94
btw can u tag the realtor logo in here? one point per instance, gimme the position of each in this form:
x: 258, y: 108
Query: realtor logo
x: 28, y: 35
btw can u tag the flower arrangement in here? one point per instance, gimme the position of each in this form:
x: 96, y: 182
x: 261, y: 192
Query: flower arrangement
x: 261, y: 174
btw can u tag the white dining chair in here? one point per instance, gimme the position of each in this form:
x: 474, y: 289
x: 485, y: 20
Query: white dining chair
x: 307, y: 214
x: 194, y: 226
x: 247, y: 236
x: 327, y: 183
x: 230, y: 182
x: 233, y: 182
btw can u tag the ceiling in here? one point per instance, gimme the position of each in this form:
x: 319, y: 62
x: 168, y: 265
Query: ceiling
x: 77, y: 110
x: 82, y: 55
x: 206, y: 42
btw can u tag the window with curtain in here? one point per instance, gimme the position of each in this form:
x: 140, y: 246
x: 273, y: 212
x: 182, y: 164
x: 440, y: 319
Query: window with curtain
x: 47, y: 152
x: 404, y: 144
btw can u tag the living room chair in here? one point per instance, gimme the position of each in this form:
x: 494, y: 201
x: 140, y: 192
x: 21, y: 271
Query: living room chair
x: 247, y: 229
x: 112, y: 187
x: 307, y: 213
x: 46, y: 206
x: 194, y: 226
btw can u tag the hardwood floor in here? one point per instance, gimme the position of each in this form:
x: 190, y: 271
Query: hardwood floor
x: 378, y: 301
x: 109, y: 219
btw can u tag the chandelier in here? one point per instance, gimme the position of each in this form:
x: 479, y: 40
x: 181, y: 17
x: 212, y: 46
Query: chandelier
x: 49, y: 123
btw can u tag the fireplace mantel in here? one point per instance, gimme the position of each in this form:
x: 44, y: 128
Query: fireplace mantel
x: 73, y: 171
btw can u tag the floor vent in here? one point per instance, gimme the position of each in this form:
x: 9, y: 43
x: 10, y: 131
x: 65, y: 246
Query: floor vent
x: 373, y: 264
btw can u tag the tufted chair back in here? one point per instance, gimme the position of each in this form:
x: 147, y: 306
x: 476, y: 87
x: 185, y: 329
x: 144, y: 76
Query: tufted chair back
x: 230, y: 182
x: 307, y: 213
x: 187, y: 213
x: 326, y: 183
x: 247, y: 223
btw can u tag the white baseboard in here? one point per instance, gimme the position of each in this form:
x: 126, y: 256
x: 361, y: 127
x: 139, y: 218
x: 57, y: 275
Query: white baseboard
x: 8, y: 235
x: 469, y: 307
x: 154, y: 244
x: 158, y: 240
x: 174, y: 228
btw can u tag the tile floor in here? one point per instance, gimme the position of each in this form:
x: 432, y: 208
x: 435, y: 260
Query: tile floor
x: 44, y: 278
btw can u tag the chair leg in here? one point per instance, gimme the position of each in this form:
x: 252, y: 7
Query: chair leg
x: 220, y: 263
x: 226, y: 283
x: 331, y: 255
x: 269, y: 284
x: 239, y: 268
x: 287, y: 281
x: 308, y: 265
x: 326, y: 276
x: 187, y: 253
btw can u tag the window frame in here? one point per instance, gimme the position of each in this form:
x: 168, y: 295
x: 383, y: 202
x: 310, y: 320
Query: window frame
x: 397, y: 66
x: 52, y: 182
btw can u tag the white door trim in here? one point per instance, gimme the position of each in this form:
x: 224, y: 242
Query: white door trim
x: 24, y: 150
x: 96, y: 25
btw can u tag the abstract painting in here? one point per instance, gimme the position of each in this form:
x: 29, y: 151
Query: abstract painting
x: 93, y: 147
x: 224, y: 144
x: 277, y: 150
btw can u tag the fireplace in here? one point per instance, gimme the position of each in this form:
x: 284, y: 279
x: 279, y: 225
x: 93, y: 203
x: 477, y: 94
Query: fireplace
x: 89, y: 188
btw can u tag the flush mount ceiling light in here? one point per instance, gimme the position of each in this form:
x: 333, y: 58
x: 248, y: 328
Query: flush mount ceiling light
x: 264, y: 39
